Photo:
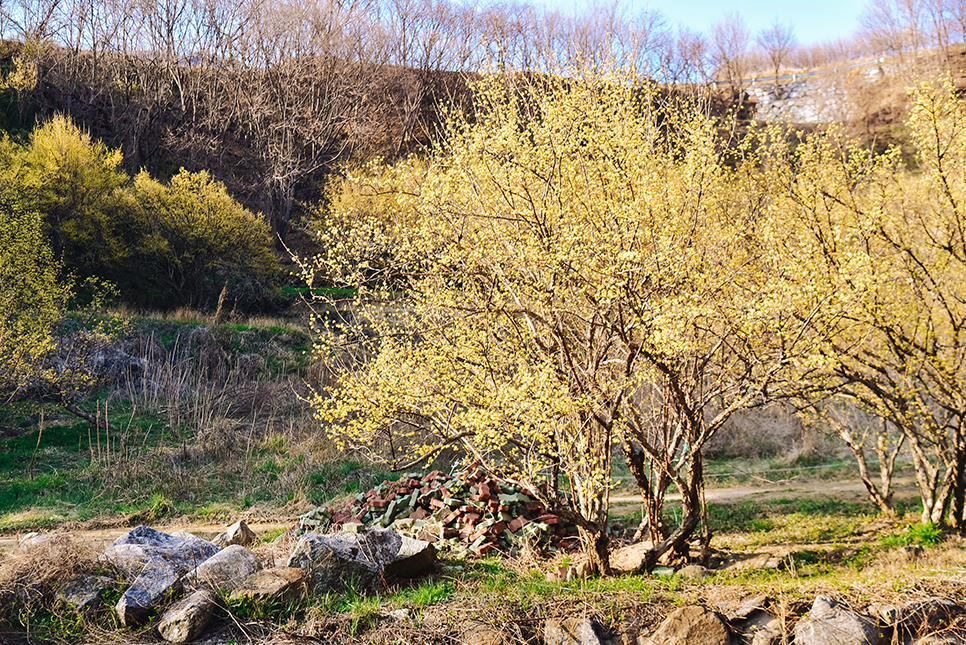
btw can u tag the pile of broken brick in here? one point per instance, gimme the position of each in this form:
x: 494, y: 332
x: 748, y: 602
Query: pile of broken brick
x: 468, y: 511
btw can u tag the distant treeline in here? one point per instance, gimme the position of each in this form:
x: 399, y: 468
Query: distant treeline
x: 270, y: 95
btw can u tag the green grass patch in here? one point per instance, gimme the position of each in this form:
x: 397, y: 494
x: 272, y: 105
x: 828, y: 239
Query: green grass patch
x: 922, y: 534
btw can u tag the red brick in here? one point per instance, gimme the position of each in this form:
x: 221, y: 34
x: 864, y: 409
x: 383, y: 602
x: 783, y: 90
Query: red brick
x: 518, y: 523
x: 449, y: 532
x: 419, y: 513
x: 498, y: 528
x: 549, y: 518
x: 452, y: 516
x: 378, y: 502
x: 436, y: 503
x: 484, y: 548
x: 470, y: 519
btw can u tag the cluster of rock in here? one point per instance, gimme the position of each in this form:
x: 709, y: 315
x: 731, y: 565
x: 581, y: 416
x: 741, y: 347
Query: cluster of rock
x: 466, y: 511
x: 161, y: 567
x: 930, y: 621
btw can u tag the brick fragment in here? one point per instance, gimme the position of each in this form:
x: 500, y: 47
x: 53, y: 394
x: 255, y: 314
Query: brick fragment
x: 518, y: 524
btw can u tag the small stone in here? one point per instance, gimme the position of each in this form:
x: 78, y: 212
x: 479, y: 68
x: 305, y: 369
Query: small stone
x: 238, y: 533
x: 762, y: 627
x: 186, y: 619
x: 691, y: 626
x: 693, y: 572
x: 83, y: 593
x: 911, y: 551
x: 477, y: 633
x: 570, y: 631
x: 399, y: 615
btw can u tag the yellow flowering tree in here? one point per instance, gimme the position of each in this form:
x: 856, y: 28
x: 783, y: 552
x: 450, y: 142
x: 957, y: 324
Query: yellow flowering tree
x: 883, y: 248
x: 574, y: 271
x: 31, y: 296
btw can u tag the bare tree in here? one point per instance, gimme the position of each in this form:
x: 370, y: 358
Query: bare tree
x: 777, y: 41
x: 729, y: 50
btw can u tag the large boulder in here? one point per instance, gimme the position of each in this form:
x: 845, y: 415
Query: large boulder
x: 186, y: 619
x: 333, y: 561
x: 829, y: 624
x: 143, y: 544
x: 691, y: 626
x: 156, y: 561
x: 227, y: 569
x: 413, y: 559
x: 157, y: 582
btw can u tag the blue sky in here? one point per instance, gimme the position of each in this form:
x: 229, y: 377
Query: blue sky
x: 813, y: 21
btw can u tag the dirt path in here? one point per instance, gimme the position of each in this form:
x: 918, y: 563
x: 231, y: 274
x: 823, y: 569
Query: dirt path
x: 98, y: 539
x: 846, y: 491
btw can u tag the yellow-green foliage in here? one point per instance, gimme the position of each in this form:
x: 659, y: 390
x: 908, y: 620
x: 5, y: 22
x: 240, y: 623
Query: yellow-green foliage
x: 162, y: 244
x: 193, y: 238
x: 74, y: 180
x: 879, y: 255
x: 574, y: 253
x: 31, y: 297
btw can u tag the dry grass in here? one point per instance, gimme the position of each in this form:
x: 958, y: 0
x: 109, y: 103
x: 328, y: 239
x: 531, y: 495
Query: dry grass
x: 31, y: 575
